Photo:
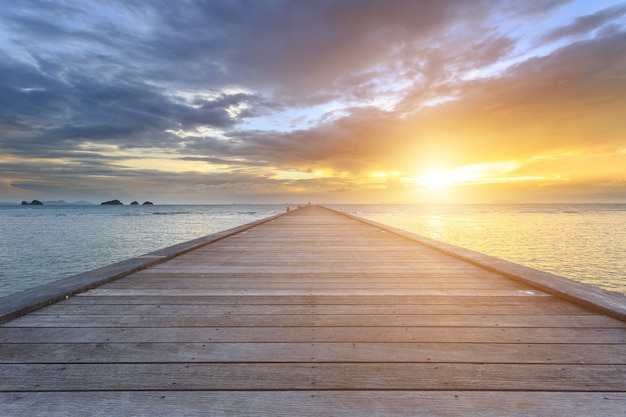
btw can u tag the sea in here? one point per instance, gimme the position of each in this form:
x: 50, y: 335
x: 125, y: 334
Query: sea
x: 42, y: 244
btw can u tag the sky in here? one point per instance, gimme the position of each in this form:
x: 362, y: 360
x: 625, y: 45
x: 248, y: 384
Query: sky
x: 343, y: 101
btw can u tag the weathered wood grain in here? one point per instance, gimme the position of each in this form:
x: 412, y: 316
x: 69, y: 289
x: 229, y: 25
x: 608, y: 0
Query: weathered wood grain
x: 312, y: 352
x: 315, y: 292
x: 307, y: 320
x: 328, y: 309
x: 312, y: 334
x: 311, y: 376
x: 518, y: 299
x: 310, y: 284
x: 314, y: 403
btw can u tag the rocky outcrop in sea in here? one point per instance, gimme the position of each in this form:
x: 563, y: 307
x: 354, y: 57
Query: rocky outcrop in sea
x: 119, y: 203
x: 32, y: 203
x: 112, y: 203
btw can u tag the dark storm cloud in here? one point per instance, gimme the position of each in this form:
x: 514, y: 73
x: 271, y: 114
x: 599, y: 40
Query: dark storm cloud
x: 80, y: 76
x: 108, y: 76
x: 42, y: 112
x: 303, y: 45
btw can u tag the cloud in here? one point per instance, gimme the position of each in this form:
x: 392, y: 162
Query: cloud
x: 42, y: 114
x: 560, y: 100
x: 121, y: 93
x: 546, y: 100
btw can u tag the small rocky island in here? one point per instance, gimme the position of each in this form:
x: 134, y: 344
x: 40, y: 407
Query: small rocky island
x: 32, y: 203
x: 112, y: 203
x: 119, y: 203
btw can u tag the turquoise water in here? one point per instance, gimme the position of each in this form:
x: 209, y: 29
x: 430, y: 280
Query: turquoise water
x: 41, y: 244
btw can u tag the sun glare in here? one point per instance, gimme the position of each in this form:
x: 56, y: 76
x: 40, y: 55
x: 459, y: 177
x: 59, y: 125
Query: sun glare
x: 436, y: 180
x: 469, y: 174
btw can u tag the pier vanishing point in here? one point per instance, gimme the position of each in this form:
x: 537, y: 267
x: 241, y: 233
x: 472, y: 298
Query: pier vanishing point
x: 313, y: 313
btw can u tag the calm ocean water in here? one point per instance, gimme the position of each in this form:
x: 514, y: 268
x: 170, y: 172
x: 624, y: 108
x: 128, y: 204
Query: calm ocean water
x: 41, y: 244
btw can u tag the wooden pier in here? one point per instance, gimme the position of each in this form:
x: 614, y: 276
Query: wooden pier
x: 316, y: 313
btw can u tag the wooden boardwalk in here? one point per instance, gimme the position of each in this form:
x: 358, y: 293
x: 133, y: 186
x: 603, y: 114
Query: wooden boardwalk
x: 314, y: 313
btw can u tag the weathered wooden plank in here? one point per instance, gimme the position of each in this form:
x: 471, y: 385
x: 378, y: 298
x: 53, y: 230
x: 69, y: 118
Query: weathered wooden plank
x: 313, y: 376
x: 310, y: 334
x: 152, y: 274
x: 320, y: 334
x: 299, y: 320
x: 191, y: 265
x: 286, y: 268
x: 305, y: 320
x: 312, y: 352
x: 300, y: 286
x: 306, y: 278
x: 319, y: 268
x: 519, y: 299
x: 194, y: 265
x: 332, y: 309
x: 227, y: 292
x: 282, y: 248
x: 314, y: 403
x: 410, y: 253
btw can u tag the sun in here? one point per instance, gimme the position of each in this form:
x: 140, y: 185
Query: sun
x: 437, y: 179
x: 486, y: 173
